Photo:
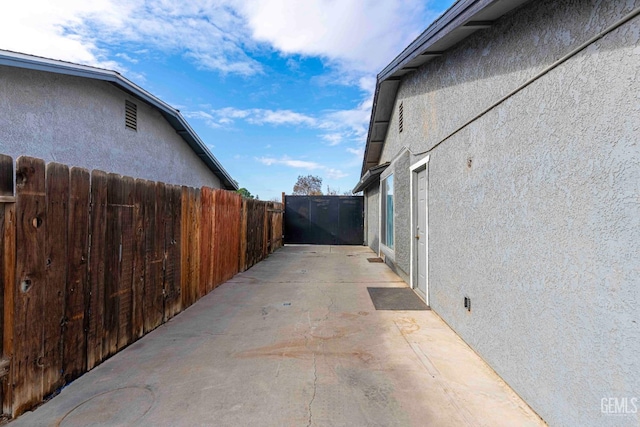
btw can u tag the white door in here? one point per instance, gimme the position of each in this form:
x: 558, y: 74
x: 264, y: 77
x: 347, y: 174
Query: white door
x: 421, y: 233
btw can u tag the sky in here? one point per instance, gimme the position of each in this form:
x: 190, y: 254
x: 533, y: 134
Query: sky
x: 275, y: 88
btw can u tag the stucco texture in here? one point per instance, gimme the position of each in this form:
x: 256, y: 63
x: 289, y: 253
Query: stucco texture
x: 402, y: 216
x: 80, y: 122
x: 534, y: 208
x: 372, y: 222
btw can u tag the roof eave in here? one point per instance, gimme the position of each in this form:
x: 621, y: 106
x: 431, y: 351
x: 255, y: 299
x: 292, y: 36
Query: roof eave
x: 370, y: 177
x: 462, y: 19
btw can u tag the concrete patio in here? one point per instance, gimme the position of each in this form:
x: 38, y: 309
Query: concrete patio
x: 294, y: 341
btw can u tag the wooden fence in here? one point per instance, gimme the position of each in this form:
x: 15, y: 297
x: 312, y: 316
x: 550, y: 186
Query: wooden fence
x: 91, y: 262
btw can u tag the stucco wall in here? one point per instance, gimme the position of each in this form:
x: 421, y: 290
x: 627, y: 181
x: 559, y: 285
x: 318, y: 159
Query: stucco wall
x: 371, y: 196
x: 80, y: 122
x: 451, y: 89
x: 542, y: 229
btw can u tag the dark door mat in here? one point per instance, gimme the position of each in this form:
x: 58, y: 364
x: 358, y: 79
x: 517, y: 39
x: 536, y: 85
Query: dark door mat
x: 396, y: 299
x: 374, y: 259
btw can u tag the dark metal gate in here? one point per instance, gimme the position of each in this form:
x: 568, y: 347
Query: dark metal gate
x: 324, y: 220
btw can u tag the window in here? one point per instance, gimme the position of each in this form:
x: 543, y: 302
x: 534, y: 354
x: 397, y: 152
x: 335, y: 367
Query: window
x: 130, y: 115
x: 387, y: 212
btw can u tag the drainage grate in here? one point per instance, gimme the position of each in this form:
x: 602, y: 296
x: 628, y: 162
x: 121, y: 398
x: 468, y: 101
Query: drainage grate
x: 374, y: 259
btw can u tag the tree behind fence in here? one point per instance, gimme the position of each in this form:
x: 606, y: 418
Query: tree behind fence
x: 93, y: 261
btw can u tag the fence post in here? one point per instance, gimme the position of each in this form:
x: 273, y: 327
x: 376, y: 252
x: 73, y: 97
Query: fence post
x: 7, y: 279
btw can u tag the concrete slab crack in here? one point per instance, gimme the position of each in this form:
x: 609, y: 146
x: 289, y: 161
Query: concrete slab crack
x: 435, y: 374
x: 315, y: 386
x: 329, y: 309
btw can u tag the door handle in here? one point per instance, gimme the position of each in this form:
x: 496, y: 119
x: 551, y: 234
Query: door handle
x: 418, y: 237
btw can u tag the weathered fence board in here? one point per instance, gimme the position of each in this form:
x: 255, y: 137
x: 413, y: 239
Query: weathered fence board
x: 3, y: 286
x: 227, y: 236
x: 243, y: 236
x: 150, y: 278
x: 206, y: 241
x: 113, y: 253
x: 277, y: 224
x: 56, y: 224
x: 255, y: 236
x: 77, y: 292
x: 154, y: 225
x: 172, y: 239
x: 127, y: 243
x: 31, y: 281
x: 97, y: 262
x: 139, y: 273
x: 158, y: 255
x: 190, y: 258
x: 91, y: 262
x: 6, y: 176
x: 196, y: 249
x: 265, y: 233
x: 8, y: 260
x: 217, y: 239
x: 7, y: 275
x: 185, y: 242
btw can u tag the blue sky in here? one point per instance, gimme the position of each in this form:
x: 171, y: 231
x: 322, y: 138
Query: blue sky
x: 276, y: 88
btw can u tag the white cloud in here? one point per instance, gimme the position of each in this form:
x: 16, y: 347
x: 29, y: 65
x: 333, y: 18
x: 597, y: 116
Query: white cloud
x: 280, y: 117
x: 347, y: 125
x: 357, y: 37
x: 255, y: 116
x: 330, y: 173
x: 333, y: 138
x: 352, y: 123
x: 46, y: 28
x: 286, y: 161
x: 209, y: 32
x: 338, y: 125
x: 361, y: 35
x: 127, y: 58
x: 231, y: 113
x: 335, y: 174
x: 204, y: 116
x: 198, y: 115
x: 293, y: 65
x: 367, y: 84
x: 358, y: 152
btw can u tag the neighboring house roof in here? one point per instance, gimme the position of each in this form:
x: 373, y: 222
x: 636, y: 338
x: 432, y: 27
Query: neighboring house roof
x: 460, y: 21
x: 173, y: 116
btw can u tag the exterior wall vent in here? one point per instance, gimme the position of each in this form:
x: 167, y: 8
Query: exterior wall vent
x: 131, y: 115
x: 400, y: 117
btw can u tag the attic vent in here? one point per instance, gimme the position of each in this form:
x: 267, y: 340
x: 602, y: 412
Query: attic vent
x: 400, y: 117
x: 130, y: 115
